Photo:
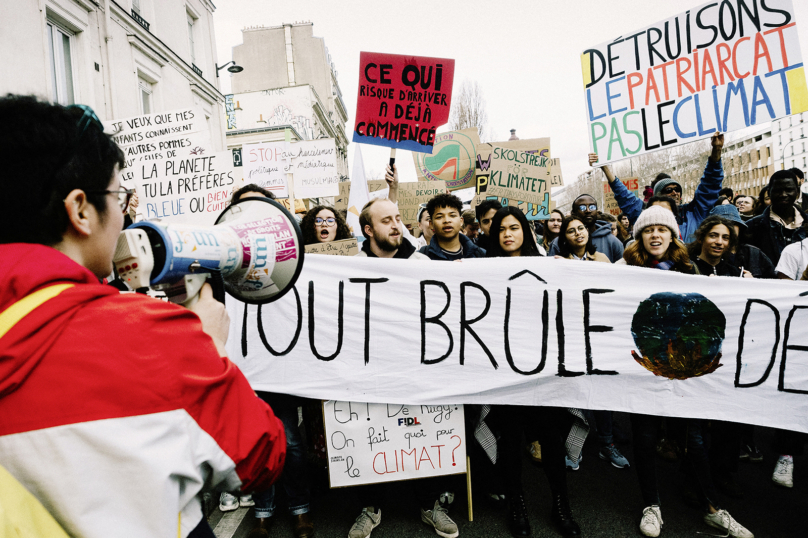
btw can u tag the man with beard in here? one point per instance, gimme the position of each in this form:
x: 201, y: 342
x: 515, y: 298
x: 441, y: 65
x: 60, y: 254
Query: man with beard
x: 383, y: 230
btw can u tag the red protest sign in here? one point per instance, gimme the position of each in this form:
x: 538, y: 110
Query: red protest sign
x: 402, y: 100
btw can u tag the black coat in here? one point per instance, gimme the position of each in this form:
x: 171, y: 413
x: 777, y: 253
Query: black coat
x: 772, y: 237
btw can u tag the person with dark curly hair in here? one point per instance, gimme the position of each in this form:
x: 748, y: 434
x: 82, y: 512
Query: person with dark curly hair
x: 323, y: 224
x: 715, y: 239
x: 575, y: 243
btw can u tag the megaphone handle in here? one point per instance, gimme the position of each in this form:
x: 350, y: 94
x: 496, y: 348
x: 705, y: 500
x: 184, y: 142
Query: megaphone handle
x: 217, y: 283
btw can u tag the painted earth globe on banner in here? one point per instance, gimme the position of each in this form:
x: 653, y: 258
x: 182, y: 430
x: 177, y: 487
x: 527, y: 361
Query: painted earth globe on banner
x: 679, y: 335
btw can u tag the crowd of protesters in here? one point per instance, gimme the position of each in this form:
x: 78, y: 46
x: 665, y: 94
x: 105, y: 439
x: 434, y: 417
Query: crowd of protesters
x: 169, y: 372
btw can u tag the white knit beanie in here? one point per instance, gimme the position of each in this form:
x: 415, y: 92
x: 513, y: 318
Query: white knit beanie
x: 656, y: 215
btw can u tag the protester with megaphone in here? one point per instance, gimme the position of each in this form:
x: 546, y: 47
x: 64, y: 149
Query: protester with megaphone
x: 111, y: 403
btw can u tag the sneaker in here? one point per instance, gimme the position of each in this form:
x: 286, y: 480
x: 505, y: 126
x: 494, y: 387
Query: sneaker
x: 573, y: 465
x: 612, y: 455
x: 784, y: 472
x: 534, y: 450
x: 751, y: 453
x: 722, y: 520
x: 227, y: 502
x: 365, y: 523
x: 651, y: 522
x: 439, y: 519
x: 245, y: 501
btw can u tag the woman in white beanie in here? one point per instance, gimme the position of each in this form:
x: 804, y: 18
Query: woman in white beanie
x: 656, y: 244
x: 657, y: 247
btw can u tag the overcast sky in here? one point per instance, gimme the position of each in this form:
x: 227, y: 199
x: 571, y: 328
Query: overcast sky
x: 524, y: 54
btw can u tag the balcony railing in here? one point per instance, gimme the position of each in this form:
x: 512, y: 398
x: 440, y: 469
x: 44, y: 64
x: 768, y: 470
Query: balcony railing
x: 196, y: 69
x: 140, y: 20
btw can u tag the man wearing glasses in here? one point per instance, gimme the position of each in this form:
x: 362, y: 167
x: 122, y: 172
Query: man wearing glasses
x: 691, y: 214
x: 111, y: 404
x: 585, y: 209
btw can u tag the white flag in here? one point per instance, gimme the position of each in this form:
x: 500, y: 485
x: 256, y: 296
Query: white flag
x: 359, y: 194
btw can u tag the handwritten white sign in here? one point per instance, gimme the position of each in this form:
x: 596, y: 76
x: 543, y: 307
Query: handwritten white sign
x: 190, y: 190
x: 312, y: 163
x: 371, y: 443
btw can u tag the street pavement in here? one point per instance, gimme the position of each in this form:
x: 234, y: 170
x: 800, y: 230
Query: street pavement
x: 606, y: 502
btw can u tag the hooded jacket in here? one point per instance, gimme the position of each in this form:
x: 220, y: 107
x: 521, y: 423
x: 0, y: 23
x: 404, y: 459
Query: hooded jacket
x: 602, y: 238
x: 470, y: 250
x: 692, y: 213
x: 115, y: 409
x: 771, y: 237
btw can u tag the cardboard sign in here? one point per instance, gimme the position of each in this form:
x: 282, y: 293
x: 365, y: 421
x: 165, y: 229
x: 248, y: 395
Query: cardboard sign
x: 372, y: 443
x: 609, y: 203
x: 345, y: 247
x: 453, y: 159
x: 190, y: 190
x: 163, y: 135
x: 341, y: 200
x: 556, y: 179
x: 411, y: 195
x: 300, y: 205
x: 312, y: 163
x: 519, y: 175
x: 530, y: 145
x: 717, y: 67
x: 402, y: 100
x: 546, y: 332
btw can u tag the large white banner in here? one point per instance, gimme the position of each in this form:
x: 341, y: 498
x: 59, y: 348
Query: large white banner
x: 720, y: 66
x: 372, y: 443
x: 533, y: 331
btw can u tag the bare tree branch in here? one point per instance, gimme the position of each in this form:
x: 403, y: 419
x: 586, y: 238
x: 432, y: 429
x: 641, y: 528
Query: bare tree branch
x: 468, y: 110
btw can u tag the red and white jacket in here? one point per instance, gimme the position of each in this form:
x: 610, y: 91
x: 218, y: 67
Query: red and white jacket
x: 116, y: 409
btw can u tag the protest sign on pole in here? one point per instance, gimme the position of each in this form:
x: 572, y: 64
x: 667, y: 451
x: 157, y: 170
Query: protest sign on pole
x: 452, y: 160
x: 344, y: 247
x: 373, y: 443
x: 610, y: 205
x: 556, y: 178
x: 312, y: 163
x: 402, y: 100
x: 412, y: 194
x: 163, y: 135
x: 189, y: 190
x: 717, y: 67
x: 544, y: 332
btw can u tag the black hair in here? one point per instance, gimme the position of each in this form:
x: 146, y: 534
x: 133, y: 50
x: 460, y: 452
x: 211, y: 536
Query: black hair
x: 727, y: 193
x: 783, y: 174
x: 797, y: 172
x: 46, y: 154
x: 444, y: 200
x: 760, y: 202
x: 578, y: 198
x: 486, y: 206
x: 668, y: 200
x: 308, y: 229
x: 564, y: 247
x: 248, y: 189
x: 529, y: 247
x: 694, y: 247
x: 721, y: 200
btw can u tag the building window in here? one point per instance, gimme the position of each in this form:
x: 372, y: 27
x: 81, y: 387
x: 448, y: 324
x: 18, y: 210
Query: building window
x: 145, y: 89
x: 60, y: 55
x: 191, y: 37
x: 136, y: 6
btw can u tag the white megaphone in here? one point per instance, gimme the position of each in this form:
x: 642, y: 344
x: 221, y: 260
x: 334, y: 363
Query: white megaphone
x: 256, y: 246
